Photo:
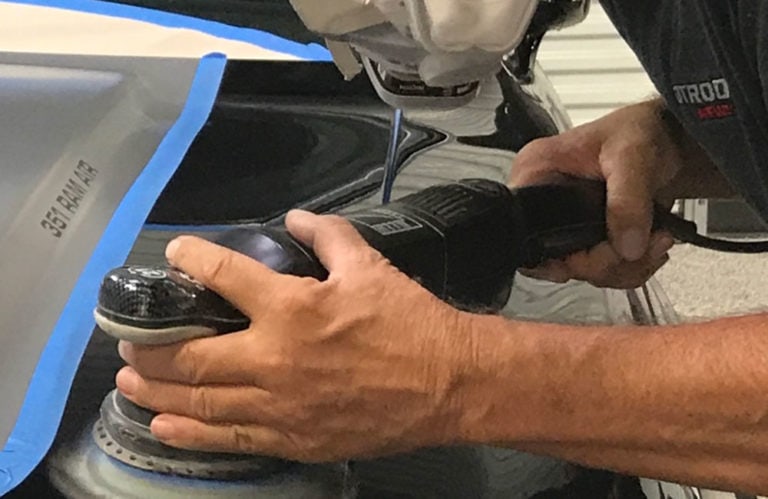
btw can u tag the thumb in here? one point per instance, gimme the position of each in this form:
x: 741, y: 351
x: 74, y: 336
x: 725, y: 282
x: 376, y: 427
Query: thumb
x: 334, y: 240
x: 629, y: 210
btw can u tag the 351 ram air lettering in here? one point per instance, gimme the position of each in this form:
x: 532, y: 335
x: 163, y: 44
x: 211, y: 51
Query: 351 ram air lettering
x: 69, y: 199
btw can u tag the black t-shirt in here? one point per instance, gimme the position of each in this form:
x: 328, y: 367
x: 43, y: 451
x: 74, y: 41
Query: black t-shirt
x: 709, y: 60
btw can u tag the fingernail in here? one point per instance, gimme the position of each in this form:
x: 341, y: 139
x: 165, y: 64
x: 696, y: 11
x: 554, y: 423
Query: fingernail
x: 162, y: 429
x: 632, y: 245
x: 127, y: 381
x: 661, y: 247
x: 172, y: 248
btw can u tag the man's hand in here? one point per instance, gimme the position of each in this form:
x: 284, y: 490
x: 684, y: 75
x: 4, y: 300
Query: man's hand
x: 363, y: 364
x: 638, y: 153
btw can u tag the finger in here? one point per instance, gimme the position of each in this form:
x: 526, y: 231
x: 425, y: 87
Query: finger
x: 592, y: 264
x: 661, y: 243
x: 642, y: 274
x: 208, y: 403
x: 628, y: 275
x: 186, y: 433
x: 629, y: 207
x: 247, y: 284
x: 229, y: 358
x: 584, y: 265
x: 603, y: 267
x: 554, y: 271
x: 335, y: 241
x: 538, y: 162
x: 573, y: 153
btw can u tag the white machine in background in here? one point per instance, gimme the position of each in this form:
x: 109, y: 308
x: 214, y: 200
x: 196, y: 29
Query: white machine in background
x: 435, y: 53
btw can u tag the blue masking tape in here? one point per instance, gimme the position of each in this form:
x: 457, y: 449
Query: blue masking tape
x: 49, y: 388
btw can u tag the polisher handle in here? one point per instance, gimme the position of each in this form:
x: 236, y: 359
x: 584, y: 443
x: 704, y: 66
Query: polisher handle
x: 560, y: 219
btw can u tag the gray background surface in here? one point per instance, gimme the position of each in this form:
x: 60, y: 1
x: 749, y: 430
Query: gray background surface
x: 703, y: 284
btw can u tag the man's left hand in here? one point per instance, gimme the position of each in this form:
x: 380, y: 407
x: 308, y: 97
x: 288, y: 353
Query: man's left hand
x: 365, y: 363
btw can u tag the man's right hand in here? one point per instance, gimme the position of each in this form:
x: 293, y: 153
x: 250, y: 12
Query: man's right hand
x: 637, y: 152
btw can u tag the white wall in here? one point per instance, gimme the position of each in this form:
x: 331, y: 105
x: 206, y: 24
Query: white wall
x: 592, y: 68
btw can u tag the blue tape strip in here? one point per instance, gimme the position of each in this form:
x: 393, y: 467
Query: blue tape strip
x: 188, y: 228
x: 49, y: 389
x: 312, y: 51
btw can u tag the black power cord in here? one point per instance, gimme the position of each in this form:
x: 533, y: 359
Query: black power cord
x: 687, y: 232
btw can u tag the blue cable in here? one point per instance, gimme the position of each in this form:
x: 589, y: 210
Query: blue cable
x: 390, y: 164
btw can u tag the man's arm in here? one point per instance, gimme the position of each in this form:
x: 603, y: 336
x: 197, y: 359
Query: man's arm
x: 685, y: 403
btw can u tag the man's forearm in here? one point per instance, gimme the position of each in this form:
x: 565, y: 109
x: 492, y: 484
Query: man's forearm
x: 686, y: 403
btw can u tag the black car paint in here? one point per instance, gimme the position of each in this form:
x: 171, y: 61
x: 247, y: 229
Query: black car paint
x: 285, y: 135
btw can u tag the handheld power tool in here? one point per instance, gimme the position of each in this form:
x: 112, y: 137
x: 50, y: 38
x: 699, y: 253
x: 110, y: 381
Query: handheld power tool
x: 462, y: 241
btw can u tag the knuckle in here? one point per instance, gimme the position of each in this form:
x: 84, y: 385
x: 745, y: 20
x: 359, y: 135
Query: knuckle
x: 626, y: 148
x: 580, y: 261
x: 629, y: 203
x: 600, y: 277
x: 593, y: 269
x: 148, y: 362
x: 539, y: 148
x: 271, y: 412
x: 300, y: 416
x: 320, y: 449
x: 241, y: 439
x: 214, y: 269
x: 535, y: 156
x: 202, y: 405
x: 275, y: 362
x: 621, y: 278
x: 555, y: 276
x: 300, y: 300
x: 307, y: 448
x: 189, y: 363
x: 369, y: 261
x: 144, y: 395
x: 336, y: 220
x: 632, y: 147
x: 334, y: 224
